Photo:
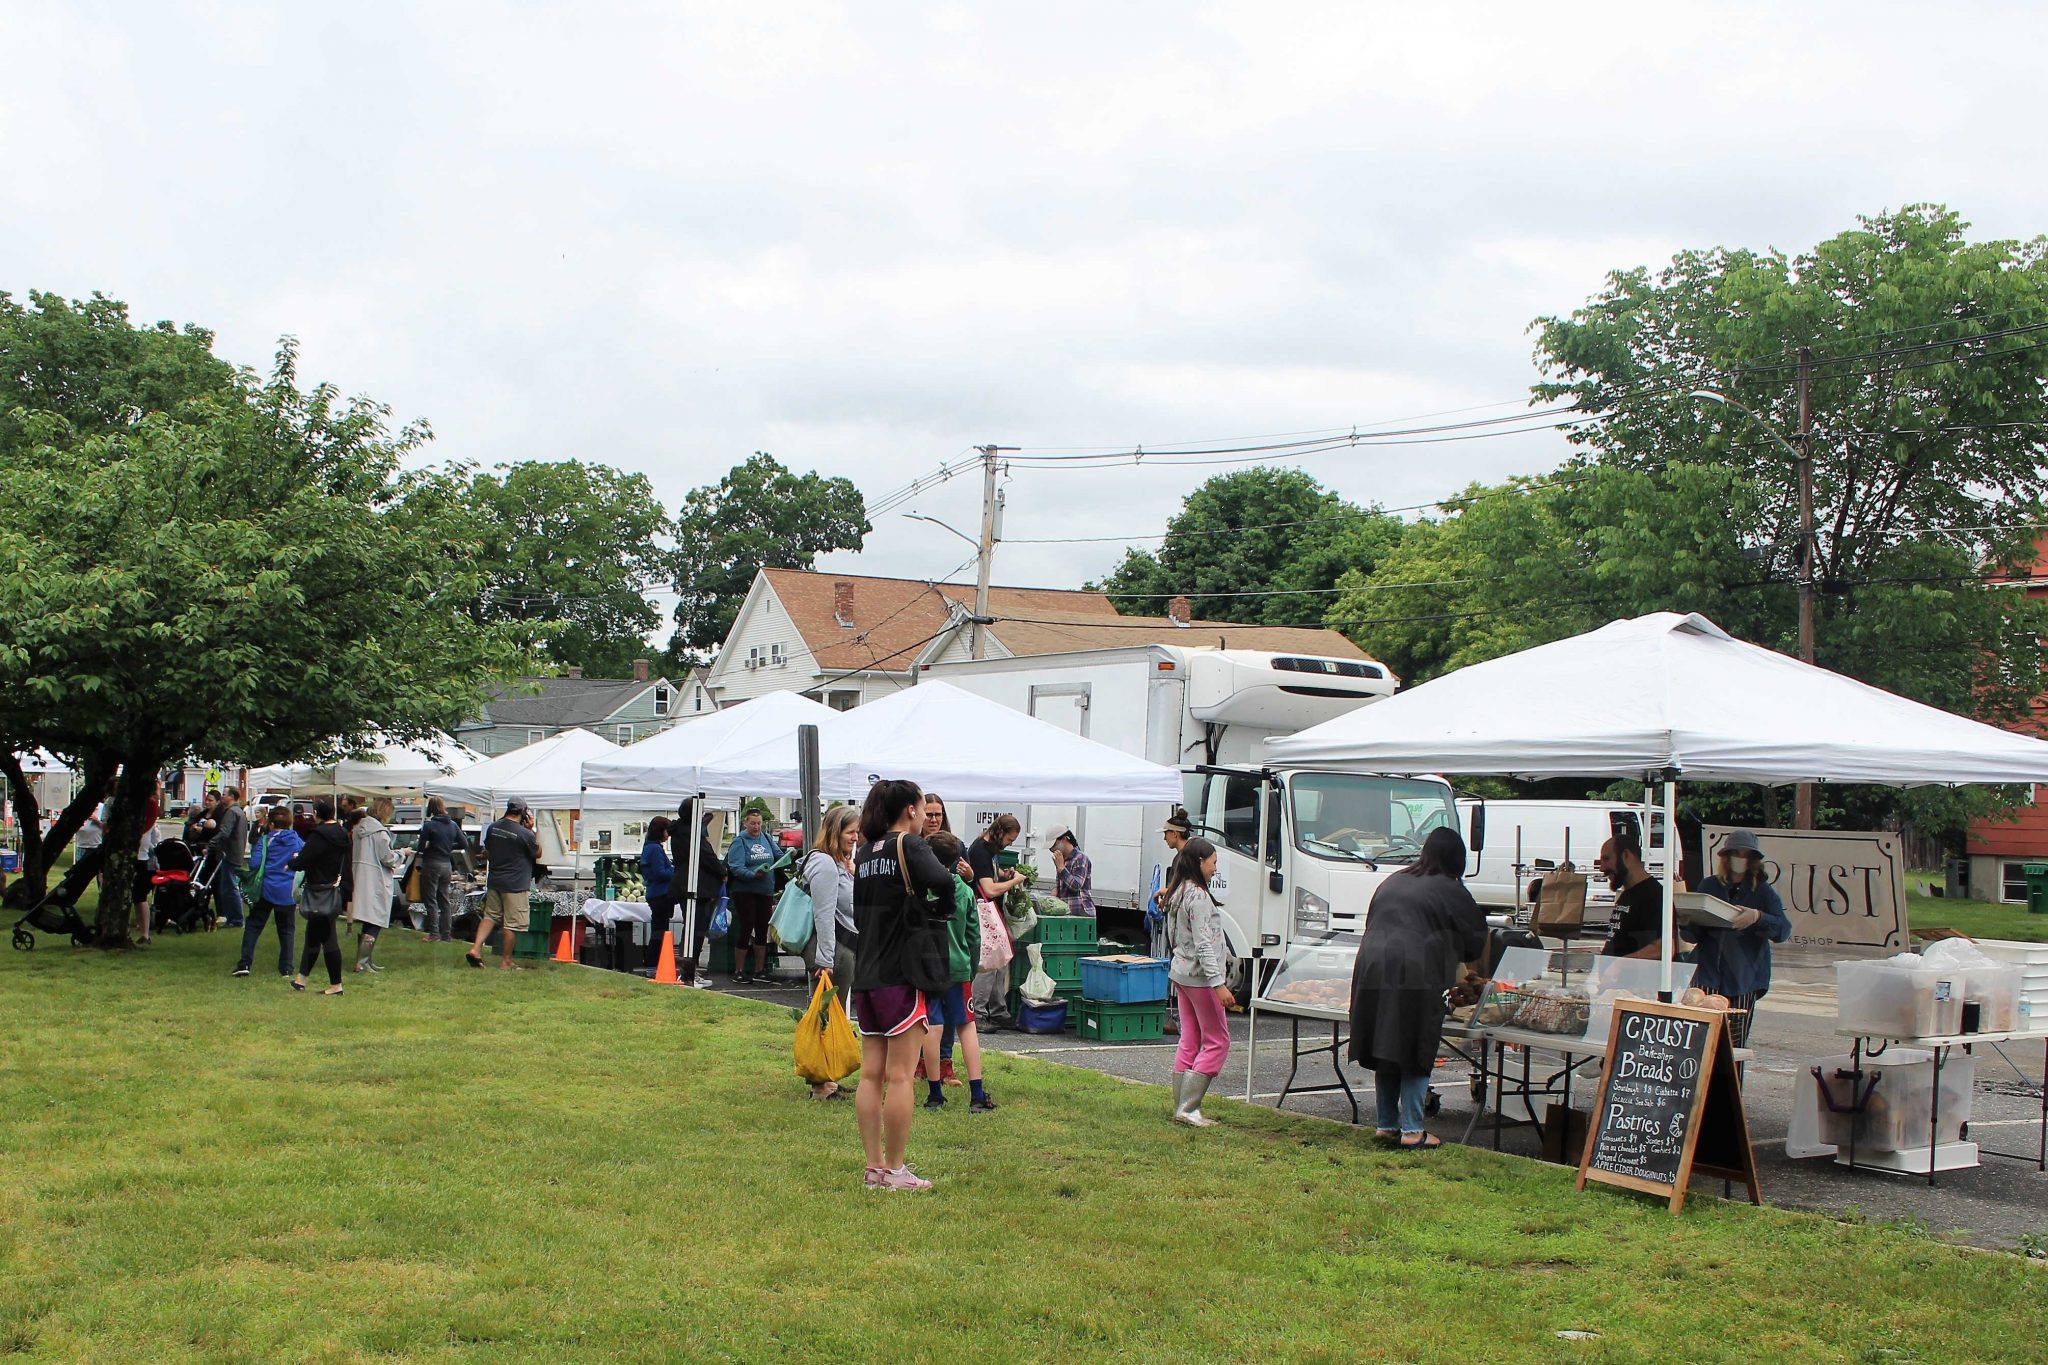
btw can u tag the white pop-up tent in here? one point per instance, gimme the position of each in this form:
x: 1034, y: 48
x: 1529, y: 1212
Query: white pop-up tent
x: 691, y: 759
x: 546, y: 775
x: 979, y: 752
x: 388, y: 768
x: 1662, y: 697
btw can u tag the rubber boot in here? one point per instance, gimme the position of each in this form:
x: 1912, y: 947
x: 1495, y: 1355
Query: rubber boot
x: 1180, y: 1089
x: 1194, y: 1085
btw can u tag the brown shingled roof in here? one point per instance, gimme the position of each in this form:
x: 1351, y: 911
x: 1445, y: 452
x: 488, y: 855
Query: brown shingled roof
x: 893, y: 618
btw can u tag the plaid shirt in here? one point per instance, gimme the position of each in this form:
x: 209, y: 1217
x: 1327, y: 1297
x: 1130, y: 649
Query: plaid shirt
x: 1075, y: 881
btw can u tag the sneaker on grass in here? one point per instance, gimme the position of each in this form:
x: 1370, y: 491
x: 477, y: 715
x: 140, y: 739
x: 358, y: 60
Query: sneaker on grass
x: 903, y: 1178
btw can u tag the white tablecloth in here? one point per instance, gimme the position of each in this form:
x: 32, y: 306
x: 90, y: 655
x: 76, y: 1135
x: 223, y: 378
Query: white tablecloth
x: 617, y: 912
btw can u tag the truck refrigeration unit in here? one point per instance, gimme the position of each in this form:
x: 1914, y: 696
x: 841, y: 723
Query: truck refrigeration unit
x: 1329, y: 838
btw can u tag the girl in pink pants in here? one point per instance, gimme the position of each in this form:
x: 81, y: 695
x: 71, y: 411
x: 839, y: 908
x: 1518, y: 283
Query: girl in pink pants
x: 1194, y: 926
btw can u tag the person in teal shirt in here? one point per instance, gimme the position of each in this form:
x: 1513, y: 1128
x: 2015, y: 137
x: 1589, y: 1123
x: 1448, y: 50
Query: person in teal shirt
x: 750, y: 863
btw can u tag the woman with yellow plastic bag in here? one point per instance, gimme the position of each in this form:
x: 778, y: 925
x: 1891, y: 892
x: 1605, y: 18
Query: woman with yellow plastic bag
x: 827, y: 1051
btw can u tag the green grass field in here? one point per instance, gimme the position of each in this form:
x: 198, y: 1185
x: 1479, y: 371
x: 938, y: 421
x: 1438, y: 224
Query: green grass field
x: 1978, y: 919
x: 446, y: 1164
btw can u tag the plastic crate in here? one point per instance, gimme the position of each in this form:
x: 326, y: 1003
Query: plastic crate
x: 1063, y: 966
x: 1127, y: 980
x: 1107, y: 1022
x: 1075, y: 930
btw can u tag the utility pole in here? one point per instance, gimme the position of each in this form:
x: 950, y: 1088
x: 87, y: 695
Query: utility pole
x: 1802, y: 807
x: 988, y: 545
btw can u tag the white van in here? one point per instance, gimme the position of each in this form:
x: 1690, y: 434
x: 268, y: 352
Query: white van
x: 1524, y: 839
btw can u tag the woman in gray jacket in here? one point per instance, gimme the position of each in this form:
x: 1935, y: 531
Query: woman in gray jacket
x: 372, y: 863
x: 828, y: 877
x: 1194, y: 926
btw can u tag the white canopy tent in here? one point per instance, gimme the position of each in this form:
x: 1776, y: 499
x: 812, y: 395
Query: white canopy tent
x: 978, y: 751
x: 389, y: 768
x: 1661, y: 697
x: 547, y: 775
x: 690, y: 758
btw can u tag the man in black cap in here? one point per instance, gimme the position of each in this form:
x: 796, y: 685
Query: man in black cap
x: 512, y: 853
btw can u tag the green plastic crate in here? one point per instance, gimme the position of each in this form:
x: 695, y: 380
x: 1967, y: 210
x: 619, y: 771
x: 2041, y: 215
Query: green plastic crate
x: 1067, y: 930
x: 1109, y: 1023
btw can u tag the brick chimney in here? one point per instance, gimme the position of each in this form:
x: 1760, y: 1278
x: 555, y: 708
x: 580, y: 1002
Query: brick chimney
x: 573, y: 671
x: 842, y: 603
x: 1179, y: 612
x: 640, y: 670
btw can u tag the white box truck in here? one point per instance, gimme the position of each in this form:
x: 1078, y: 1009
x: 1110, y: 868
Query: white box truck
x: 1329, y: 838
x: 1528, y: 837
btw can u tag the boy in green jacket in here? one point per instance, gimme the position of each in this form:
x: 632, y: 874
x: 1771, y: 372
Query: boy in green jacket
x: 963, y: 952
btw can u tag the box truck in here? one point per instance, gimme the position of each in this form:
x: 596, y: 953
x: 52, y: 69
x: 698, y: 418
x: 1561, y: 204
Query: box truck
x: 1530, y: 837
x: 1300, y: 848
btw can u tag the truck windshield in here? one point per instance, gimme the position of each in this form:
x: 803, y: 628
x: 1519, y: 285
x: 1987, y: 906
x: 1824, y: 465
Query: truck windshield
x: 1351, y: 817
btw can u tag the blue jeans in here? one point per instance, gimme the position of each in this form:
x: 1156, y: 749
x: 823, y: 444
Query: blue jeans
x: 227, y: 896
x: 287, y: 933
x: 1399, y: 1096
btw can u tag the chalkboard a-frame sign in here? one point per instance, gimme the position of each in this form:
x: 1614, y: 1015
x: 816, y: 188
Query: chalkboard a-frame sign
x: 1669, y: 1105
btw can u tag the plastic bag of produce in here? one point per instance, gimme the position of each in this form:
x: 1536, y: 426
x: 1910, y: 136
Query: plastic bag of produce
x: 1038, y: 988
x: 826, y: 1048
x: 1021, y: 925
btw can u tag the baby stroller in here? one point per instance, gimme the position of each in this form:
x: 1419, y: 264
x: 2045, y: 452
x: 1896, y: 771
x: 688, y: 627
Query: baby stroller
x: 181, y: 888
x: 57, y: 911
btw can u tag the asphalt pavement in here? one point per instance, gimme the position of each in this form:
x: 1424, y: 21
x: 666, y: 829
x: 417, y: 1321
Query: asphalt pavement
x: 2001, y: 1203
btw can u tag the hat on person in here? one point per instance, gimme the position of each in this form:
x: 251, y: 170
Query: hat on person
x: 1060, y: 832
x: 1177, y: 823
x: 1741, y: 841
x: 515, y: 806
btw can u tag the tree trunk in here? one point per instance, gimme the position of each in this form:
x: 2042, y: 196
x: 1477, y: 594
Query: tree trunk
x: 39, y: 853
x: 119, y: 892
x: 1771, y: 808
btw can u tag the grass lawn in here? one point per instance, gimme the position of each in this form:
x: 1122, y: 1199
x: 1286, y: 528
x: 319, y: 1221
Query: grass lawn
x: 1978, y: 919
x: 447, y: 1164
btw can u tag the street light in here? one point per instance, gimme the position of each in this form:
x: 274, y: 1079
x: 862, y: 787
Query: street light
x: 1803, y: 800
x: 919, y: 516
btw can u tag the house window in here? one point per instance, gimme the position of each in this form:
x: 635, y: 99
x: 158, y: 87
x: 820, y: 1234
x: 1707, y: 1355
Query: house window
x: 775, y: 653
x: 661, y: 700
x: 625, y: 734
x: 697, y: 700
x: 753, y: 656
x: 535, y: 736
x: 2013, y: 879
x: 842, y: 701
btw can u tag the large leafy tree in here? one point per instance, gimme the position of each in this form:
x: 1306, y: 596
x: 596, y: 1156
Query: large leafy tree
x: 1255, y: 545
x: 759, y: 516
x: 1929, y: 411
x: 572, y: 550
x: 83, y: 368
x: 255, y: 578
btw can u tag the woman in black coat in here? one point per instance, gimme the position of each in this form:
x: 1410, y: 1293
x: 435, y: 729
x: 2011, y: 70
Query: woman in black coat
x: 1422, y: 926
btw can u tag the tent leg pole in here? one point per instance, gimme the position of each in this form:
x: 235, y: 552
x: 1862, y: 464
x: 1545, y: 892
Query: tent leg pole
x: 1670, y: 942
x: 696, y: 838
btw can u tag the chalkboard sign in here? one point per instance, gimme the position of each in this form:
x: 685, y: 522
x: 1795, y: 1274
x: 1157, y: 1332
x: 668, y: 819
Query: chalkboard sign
x: 1669, y: 1104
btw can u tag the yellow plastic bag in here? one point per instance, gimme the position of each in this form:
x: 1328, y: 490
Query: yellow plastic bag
x: 826, y: 1046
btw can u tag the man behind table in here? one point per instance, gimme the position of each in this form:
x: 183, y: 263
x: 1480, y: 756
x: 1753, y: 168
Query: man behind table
x: 513, y: 853
x: 1638, y: 900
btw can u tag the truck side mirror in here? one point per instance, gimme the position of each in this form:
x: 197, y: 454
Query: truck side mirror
x: 1478, y: 839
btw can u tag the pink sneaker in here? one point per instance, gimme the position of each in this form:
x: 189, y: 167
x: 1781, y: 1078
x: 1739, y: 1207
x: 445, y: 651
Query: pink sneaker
x: 902, y: 1178
x: 873, y: 1178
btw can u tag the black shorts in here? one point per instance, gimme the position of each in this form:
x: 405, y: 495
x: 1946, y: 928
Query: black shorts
x: 751, y: 911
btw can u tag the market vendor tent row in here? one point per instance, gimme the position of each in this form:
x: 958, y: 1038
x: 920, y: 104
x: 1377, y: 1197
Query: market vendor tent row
x: 1662, y: 697
x: 387, y: 768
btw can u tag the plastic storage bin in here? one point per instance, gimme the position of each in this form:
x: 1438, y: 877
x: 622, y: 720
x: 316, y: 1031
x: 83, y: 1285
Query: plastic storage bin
x: 1062, y: 964
x: 1889, y: 1107
x: 2032, y: 960
x: 1106, y: 1022
x: 1995, y: 991
x: 1123, y: 980
x: 1889, y: 1000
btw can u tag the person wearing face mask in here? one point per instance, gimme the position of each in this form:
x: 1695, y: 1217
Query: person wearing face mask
x: 1736, y: 961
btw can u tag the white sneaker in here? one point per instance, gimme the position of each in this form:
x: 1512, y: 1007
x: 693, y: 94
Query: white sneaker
x: 902, y: 1178
x: 700, y: 983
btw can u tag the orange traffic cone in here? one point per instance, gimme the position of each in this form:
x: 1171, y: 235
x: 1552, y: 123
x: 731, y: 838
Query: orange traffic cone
x: 565, y: 942
x: 665, y: 965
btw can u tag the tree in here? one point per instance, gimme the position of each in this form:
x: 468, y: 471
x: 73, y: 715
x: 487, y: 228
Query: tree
x: 85, y: 367
x: 759, y: 516
x: 256, y: 578
x: 572, y: 550
x: 1254, y: 532
x: 1929, y: 408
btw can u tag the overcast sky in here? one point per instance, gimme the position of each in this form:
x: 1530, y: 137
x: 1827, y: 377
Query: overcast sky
x: 865, y: 237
